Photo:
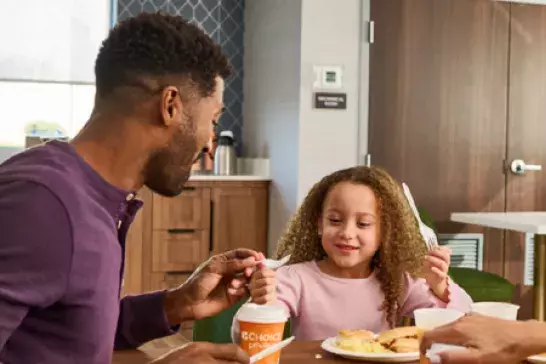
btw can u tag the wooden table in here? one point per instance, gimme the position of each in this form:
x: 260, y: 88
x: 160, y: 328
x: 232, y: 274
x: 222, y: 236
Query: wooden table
x: 297, y: 352
x: 526, y: 222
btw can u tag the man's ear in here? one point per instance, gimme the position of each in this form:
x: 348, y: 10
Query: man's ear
x: 171, y: 106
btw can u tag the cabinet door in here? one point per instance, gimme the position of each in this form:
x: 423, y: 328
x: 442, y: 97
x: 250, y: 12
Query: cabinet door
x: 132, y: 275
x: 239, y: 218
x: 189, y: 210
x: 179, y: 250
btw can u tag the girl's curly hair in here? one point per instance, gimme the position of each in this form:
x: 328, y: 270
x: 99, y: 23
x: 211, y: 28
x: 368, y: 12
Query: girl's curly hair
x: 401, y: 250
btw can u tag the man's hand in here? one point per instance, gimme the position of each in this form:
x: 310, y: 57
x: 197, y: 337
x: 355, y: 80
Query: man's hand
x: 216, y: 285
x: 489, y: 340
x: 205, y: 353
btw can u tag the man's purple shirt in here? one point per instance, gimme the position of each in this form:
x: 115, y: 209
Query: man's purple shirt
x: 61, y: 263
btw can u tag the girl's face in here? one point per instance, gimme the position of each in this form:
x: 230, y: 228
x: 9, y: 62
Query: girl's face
x: 349, y: 226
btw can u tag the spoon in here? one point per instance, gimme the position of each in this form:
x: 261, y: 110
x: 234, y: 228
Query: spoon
x: 275, y: 264
x: 270, y: 264
x: 270, y: 350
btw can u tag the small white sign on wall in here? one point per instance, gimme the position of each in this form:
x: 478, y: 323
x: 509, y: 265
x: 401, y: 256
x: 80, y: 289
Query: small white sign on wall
x: 328, y: 77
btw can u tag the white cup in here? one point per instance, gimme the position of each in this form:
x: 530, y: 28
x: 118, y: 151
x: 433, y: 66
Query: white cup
x: 431, y: 318
x: 260, y: 327
x: 502, y: 310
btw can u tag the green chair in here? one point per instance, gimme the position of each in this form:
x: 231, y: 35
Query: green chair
x: 217, y: 329
x: 481, y: 286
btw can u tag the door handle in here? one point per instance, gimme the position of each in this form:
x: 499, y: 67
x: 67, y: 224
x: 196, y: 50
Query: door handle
x: 518, y: 166
x: 181, y: 231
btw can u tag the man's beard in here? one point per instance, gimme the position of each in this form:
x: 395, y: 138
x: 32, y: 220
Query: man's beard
x: 168, y: 169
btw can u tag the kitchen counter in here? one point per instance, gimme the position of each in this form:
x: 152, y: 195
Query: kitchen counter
x: 242, y: 177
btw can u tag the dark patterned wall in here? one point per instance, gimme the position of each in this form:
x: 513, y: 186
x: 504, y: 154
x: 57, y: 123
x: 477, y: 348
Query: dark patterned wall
x: 223, y: 21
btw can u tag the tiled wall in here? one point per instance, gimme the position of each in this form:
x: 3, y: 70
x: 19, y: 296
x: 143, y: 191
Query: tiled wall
x: 223, y: 21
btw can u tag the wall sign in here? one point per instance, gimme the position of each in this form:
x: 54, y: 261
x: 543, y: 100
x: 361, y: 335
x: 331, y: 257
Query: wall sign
x: 330, y: 100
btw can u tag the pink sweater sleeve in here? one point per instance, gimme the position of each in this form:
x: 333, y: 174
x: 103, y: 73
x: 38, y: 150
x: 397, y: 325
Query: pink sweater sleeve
x: 418, y: 295
x: 288, y: 296
x: 289, y: 290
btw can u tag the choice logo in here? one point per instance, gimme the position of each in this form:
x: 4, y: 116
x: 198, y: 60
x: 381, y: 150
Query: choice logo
x: 261, y: 336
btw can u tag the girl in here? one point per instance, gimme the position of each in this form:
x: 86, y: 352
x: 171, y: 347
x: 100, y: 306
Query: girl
x: 357, y: 260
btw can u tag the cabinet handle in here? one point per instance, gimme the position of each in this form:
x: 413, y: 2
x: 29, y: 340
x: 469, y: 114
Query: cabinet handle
x: 211, y: 230
x: 181, y: 231
x: 188, y: 188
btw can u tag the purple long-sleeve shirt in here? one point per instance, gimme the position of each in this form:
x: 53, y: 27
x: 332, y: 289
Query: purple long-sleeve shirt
x: 62, y: 242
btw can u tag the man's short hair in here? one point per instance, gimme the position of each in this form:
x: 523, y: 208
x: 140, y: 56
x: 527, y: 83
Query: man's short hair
x: 158, y: 46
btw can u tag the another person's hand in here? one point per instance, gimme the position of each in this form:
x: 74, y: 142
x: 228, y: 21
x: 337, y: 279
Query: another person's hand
x: 489, y: 340
x: 262, y: 286
x: 216, y: 285
x: 435, y: 268
x: 204, y: 353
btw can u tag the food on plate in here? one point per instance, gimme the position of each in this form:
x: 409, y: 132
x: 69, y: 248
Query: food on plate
x: 401, y: 339
x: 398, y: 340
x: 361, y: 341
x: 404, y: 345
x: 356, y: 334
x: 406, y: 332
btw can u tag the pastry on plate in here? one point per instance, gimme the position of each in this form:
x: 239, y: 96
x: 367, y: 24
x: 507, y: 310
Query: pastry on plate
x: 361, y: 341
x: 398, y: 340
x: 405, y: 345
x: 401, y: 339
x: 356, y: 334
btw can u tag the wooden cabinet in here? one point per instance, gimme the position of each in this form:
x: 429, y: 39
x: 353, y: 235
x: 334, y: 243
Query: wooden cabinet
x: 189, y: 210
x: 177, y: 250
x: 239, y: 218
x: 172, y: 236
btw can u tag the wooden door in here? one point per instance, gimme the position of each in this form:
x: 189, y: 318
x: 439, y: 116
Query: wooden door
x: 526, y: 124
x: 239, y: 218
x: 438, y: 106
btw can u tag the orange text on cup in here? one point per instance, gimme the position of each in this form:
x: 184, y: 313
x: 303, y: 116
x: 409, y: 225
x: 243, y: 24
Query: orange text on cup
x: 255, y: 337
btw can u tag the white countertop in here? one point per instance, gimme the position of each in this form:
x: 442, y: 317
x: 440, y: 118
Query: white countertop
x: 526, y: 222
x: 212, y: 177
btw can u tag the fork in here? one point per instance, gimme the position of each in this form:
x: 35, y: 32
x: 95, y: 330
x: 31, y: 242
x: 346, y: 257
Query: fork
x: 429, y: 236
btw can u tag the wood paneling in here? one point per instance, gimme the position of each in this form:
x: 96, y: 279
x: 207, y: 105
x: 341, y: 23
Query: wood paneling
x: 132, y: 281
x: 526, y: 123
x: 189, y: 210
x: 239, y: 218
x: 438, y: 106
x: 173, y: 280
x: 179, y: 251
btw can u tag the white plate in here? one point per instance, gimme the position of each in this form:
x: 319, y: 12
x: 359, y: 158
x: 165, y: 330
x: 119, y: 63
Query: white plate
x: 330, y: 346
x: 537, y: 359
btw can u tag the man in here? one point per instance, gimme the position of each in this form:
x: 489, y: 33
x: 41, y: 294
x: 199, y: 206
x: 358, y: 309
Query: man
x: 491, y: 340
x: 65, y: 208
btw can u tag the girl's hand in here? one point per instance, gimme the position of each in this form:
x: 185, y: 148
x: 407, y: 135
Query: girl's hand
x: 262, y: 286
x: 436, y: 267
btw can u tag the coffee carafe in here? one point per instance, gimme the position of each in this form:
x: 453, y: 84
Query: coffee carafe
x: 225, y: 158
